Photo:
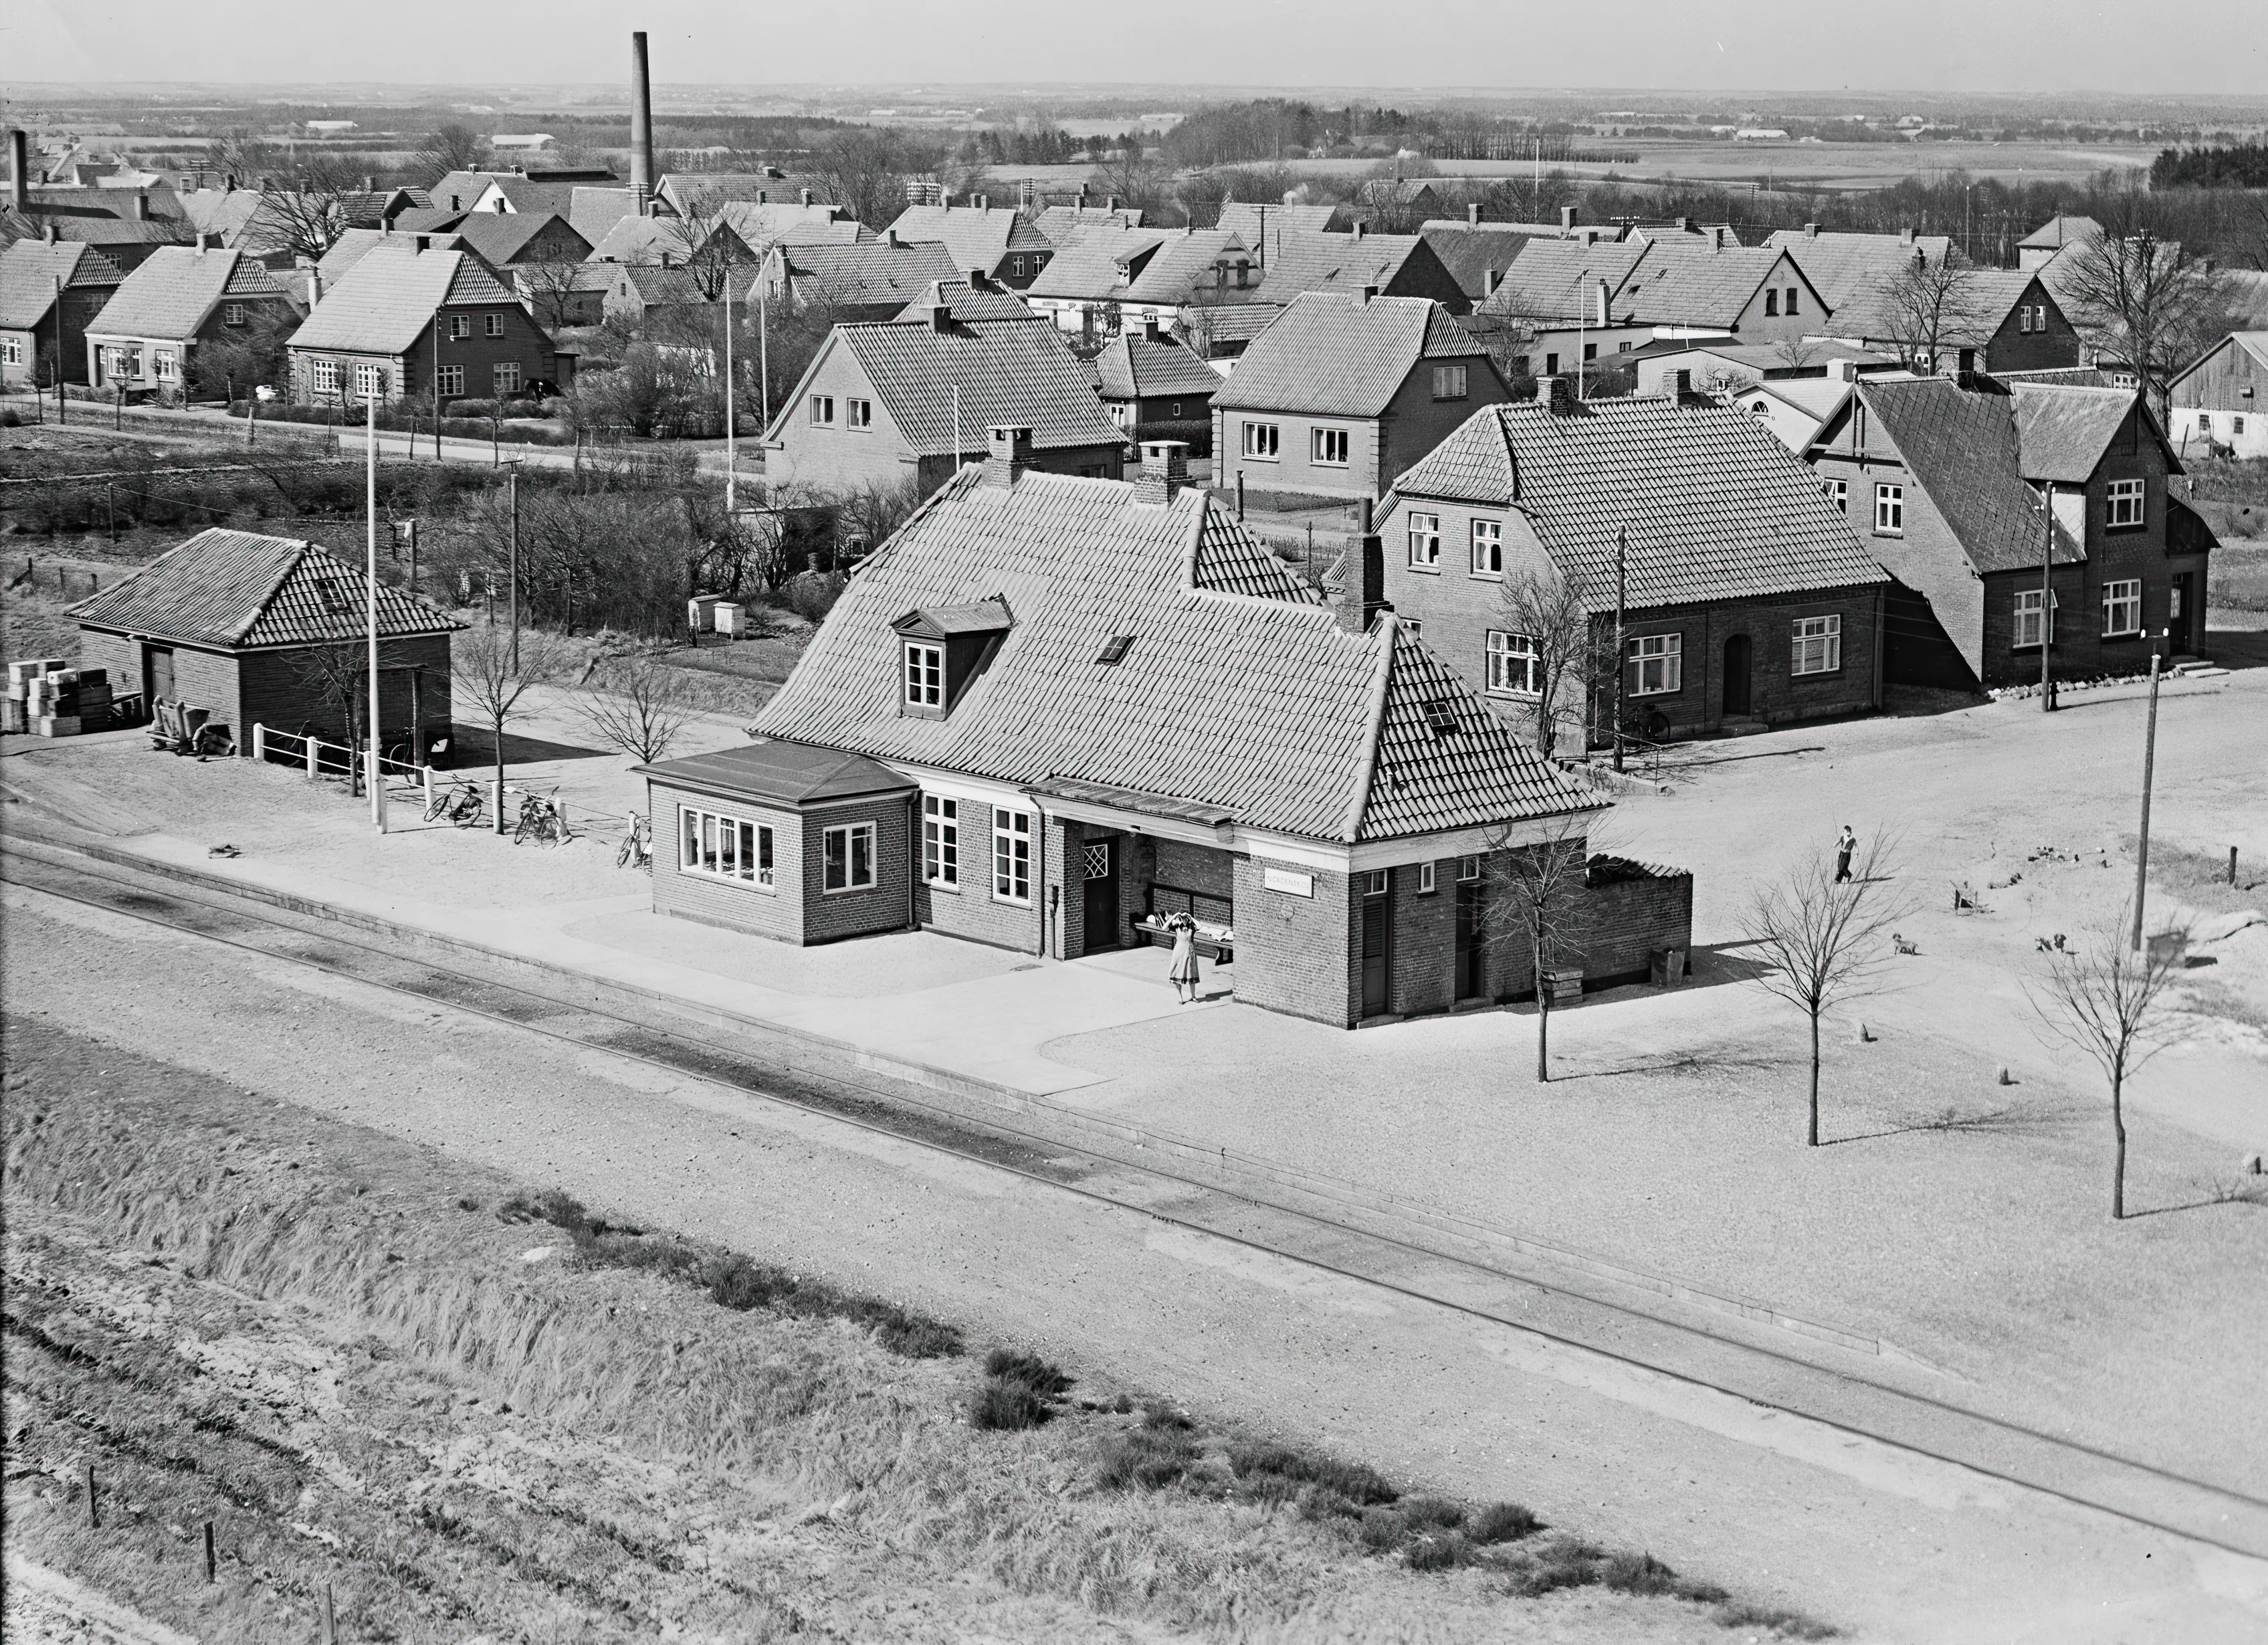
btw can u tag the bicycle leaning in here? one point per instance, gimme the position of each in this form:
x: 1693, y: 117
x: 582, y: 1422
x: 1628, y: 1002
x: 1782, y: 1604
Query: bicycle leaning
x: 636, y: 850
x: 539, y: 821
x: 461, y: 803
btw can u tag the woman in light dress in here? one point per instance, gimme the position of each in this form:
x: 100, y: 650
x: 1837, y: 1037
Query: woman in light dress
x: 1184, y: 971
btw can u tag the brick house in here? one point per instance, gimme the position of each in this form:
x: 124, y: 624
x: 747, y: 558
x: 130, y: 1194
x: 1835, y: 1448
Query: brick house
x: 147, y: 334
x: 1109, y: 280
x: 229, y: 621
x: 2216, y: 402
x: 1747, y: 599
x: 1155, y: 388
x: 49, y: 290
x: 867, y: 280
x: 1948, y: 483
x: 877, y: 406
x: 509, y: 238
x: 407, y: 322
x: 1300, y: 262
x: 1343, y: 391
x: 1006, y: 244
x: 1050, y: 712
x: 2011, y: 322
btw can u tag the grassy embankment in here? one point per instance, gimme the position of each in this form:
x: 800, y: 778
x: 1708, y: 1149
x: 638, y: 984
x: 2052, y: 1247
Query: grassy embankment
x: 465, y: 1408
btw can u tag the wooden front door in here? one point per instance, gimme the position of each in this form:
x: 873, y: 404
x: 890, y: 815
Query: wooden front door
x: 1469, y: 939
x: 2181, y: 615
x: 1099, y: 860
x: 157, y: 673
x: 1736, y: 676
x: 1377, y: 972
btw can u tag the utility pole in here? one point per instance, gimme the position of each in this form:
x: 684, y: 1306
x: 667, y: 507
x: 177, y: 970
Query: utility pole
x: 2047, y: 605
x: 60, y: 396
x: 377, y: 747
x: 1622, y: 560
x: 514, y: 487
x: 732, y: 450
x: 764, y: 351
x: 2149, y: 763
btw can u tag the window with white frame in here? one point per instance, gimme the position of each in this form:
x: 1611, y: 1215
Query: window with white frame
x: 1016, y: 268
x: 1839, y: 492
x: 1515, y: 668
x: 1011, y: 856
x: 2122, y: 503
x: 1469, y: 869
x: 323, y: 377
x: 2121, y: 608
x: 1450, y: 382
x: 124, y: 362
x: 1375, y: 883
x: 940, y: 840
x: 823, y: 410
x: 1890, y: 511
x: 495, y: 324
x: 1262, y: 441
x: 449, y: 380
x: 11, y: 350
x: 370, y: 381
x: 2035, y: 619
x: 925, y: 674
x: 1657, y: 664
x: 1424, y: 879
x: 1488, y: 548
x: 725, y: 848
x: 505, y: 375
x: 460, y: 327
x: 857, y: 414
x: 231, y: 313
x: 1330, y: 447
x: 1425, y: 542
x: 1817, y: 645
x: 847, y: 857
x: 1121, y: 413
x: 165, y: 365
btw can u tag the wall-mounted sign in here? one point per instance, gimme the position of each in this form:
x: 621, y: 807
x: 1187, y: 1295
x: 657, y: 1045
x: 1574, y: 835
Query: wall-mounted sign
x: 1288, y: 882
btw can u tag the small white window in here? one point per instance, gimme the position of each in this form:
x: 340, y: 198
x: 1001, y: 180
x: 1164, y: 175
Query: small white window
x: 460, y: 327
x: 1262, y: 440
x: 505, y: 375
x: 231, y: 313
x: 1330, y: 447
x: 1889, y: 511
x: 370, y: 381
x: 847, y: 857
x: 823, y: 410
x: 940, y: 840
x: 1424, y: 879
x: 859, y: 414
x: 2029, y: 603
x: 163, y: 366
x: 1469, y: 869
x: 1449, y: 382
x: 925, y: 674
x: 725, y: 848
x: 1121, y: 413
x: 11, y: 350
x: 1425, y: 542
x: 1657, y: 664
x: 495, y: 324
x: 2122, y: 503
x: 1375, y: 882
x: 323, y: 375
x: 1016, y: 268
x: 1177, y: 408
x: 1515, y: 669
x: 1839, y: 492
x: 1011, y: 856
x: 449, y: 380
x: 1488, y: 548
x: 1818, y: 645
x: 2122, y: 608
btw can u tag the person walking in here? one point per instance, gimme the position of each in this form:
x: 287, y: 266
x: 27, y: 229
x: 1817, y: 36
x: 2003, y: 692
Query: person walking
x: 1184, y: 971
x: 1843, y: 848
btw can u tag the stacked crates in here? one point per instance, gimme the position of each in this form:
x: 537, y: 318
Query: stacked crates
x: 49, y: 697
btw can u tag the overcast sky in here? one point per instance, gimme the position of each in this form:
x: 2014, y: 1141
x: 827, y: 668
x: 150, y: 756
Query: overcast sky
x: 2135, y: 46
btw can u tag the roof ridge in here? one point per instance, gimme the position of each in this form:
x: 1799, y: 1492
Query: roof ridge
x: 1389, y: 640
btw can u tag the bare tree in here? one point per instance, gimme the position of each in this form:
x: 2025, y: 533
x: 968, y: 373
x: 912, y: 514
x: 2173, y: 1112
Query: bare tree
x: 493, y: 671
x: 1932, y: 306
x: 1798, y: 351
x: 1822, y: 938
x: 1535, y: 907
x: 453, y: 146
x: 338, y: 677
x: 306, y: 221
x: 1550, y: 611
x: 552, y: 291
x: 641, y: 710
x: 865, y: 168
x: 2103, y: 999
x: 703, y: 243
x: 2141, y: 299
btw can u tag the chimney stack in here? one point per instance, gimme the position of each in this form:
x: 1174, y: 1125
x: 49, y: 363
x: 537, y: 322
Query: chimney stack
x: 1685, y: 226
x: 1843, y: 371
x: 806, y: 197
x: 314, y: 285
x: 19, y: 159
x: 1811, y: 231
x: 984, y: 202
x: 1601, y: 319
x: 641, y: 127
x: 1473, y: 215
x: 1110, y: 202
x: 1361, y: 229
x: 369, y: 183
x: 1363, y: 596
x: 1716, y: 239
x: 940, y: 316
x: 979, y: 281
x: 1558, y: 395
x: 1907, y: 236
x: 141, y: 205
x: 1011, y: 454
x: 1566, y: 219
x: 1490, y: 278
x: 1165, y: 471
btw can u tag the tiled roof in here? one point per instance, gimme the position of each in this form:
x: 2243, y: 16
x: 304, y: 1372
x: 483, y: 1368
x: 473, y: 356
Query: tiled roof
x: 55, y: 201
x: 1713, y: 506
x: 1335, y: 356
x: 1245, y: 220
x: 2062, y: 432
x: 867, y: 274
x: 173, y: 294
x: 28, y: 272
x: 1061, y: 223
x: 88, y: 230
x: 2058, y: 231
x: 1009, y: 372
x: 1300, y: 263
x: 356, y: 243
x: 1169, y: 266
x: 1960, y: 445
x: 434, y: 220
x: 1230, y: 322
x: 1257, y: 707
x: 631, y: 238
x: 594, y: 207
x: 387, y: 302
x: 654, y: 286
x: 1843, y: 267
x: 1985, y: 294
x: 235, y: 589
x: 1473, y: 252
x: 760, y: 225
x: 1558, y: 279
x: 705, y: 191
x: 1684, y: 281
x: 1133, y: 366
x: 977, y: 236
x: 965, y: 303
x: 500, y: 236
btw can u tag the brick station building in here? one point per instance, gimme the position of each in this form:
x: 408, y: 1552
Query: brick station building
x: 1053, y: 710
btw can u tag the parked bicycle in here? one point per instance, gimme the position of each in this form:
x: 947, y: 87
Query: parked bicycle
x: 636, y: 850
x: 541, y: 822
x: 461, y: 803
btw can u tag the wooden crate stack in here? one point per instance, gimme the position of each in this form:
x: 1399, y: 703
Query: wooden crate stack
x: 49, y: 697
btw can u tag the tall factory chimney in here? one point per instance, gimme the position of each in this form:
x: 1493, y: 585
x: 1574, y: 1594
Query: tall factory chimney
x: 641, y: 127
x: 19, y: 154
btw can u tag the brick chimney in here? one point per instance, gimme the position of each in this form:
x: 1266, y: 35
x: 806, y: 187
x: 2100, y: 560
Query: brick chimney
x: 141, y: 205
x: 1152, y: 330
x: 19, y: 159
x: 1811, y: 231
x: 1359, y: 604
x: 1680, y: 384
x: 1490, y: 278
x: 1685, y: 226
x: 1473, y: 215
x: 806, y: 197
x: 1010, y: 456
x: 1843, y: 371
x: 1566, y: 219
x: 1558, y: 395
x: 890, y: 238
x: 1110, y: 202
x: 1600, y: 318
x: 1368, y: 293
x: 641, y: 127
x: 1165, y: 471
x: 314, y: 285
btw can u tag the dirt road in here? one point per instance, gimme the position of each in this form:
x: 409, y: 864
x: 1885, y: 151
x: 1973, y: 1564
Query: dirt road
x: 1890, y: 1546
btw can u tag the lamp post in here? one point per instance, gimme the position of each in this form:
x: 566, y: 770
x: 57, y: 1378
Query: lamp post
x: 369, y: 457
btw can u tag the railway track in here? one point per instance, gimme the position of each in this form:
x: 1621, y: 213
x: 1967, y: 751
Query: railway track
x: 1717, y: 1374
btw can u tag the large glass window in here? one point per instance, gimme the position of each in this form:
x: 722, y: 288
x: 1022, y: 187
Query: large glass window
x: 1262, y: 440
x: 1818, y: 644
x: 1513, y: 667
x: 1012, y: 855
x: 1425, y: 542
x: 725, y: 847
x: 2123, y: 500
x: 2031, y: 604
x: 1657, y: 664
x: 940, y: 840
x: 1890, y: 511
x: 847, y: 857
x: 2121, y: 608
x: 1331, y: 447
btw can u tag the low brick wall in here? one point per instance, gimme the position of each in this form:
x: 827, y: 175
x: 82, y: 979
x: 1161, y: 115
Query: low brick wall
x: 1631, y: 911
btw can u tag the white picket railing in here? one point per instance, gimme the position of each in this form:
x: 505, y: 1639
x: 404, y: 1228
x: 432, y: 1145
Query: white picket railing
x: 419, y: 782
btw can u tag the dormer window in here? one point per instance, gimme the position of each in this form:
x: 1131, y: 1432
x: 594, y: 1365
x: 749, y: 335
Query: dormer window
x: 942, y: 649
x: 924, y: 676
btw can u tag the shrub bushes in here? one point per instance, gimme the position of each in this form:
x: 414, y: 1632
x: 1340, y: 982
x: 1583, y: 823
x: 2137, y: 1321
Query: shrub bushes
x: 1020, y: 1391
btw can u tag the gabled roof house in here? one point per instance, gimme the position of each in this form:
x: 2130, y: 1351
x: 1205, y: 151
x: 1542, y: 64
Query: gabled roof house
x: 49, y: 290
x: 405, y: 323
x: 1003, y: 243
x: 1155, y: 387
x: 872, y: 280
x: 147, y: 334
x: 1109, y: 279
x: 2217, y: 400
